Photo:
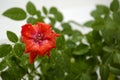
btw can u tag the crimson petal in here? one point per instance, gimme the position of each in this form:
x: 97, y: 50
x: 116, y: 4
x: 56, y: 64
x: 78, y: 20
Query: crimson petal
x: 32, y: 57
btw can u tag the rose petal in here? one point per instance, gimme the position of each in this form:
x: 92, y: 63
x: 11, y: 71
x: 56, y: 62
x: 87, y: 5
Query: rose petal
x: 32, y: 57
x: 42, y: 27
x: 28, y: 31
x: 46, y: 46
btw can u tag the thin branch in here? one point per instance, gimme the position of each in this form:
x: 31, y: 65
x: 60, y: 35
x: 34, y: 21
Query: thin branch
x: 76, y: 23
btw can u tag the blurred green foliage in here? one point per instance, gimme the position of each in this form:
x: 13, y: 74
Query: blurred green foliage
x: 77, y: 56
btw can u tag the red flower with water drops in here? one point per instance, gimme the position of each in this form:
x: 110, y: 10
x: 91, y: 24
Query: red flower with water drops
x: 39, y: 39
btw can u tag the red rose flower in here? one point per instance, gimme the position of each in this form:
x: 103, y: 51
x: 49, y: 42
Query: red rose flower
x: 39, y: 39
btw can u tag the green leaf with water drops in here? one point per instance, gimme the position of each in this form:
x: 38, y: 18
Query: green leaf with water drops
x: 15, y: 13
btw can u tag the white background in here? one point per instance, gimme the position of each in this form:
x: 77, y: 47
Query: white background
x: 78, y: 10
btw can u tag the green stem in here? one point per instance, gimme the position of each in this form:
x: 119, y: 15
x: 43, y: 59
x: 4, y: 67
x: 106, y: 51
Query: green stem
x: 76, y: 23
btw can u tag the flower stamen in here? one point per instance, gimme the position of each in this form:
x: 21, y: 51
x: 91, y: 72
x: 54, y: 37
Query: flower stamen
x: 38, y: 38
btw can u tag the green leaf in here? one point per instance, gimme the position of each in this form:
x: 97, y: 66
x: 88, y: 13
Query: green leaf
x: 19, y: 49
x: 12, y: 60
x: 97, y: 24
x: 70, y: 44
x: 5, y: 49
x: 116, y: 17
x: 116, y: 58
x: 31, y: 20
x: 3, y: 75
x: 104, y: 72
x: 81, y: 49
x: 94, y: 76
x: 89, y: 23
x: 114, y: 70
x: 79, y: 66
x: 85, y: 77
x: 96, y: 35
x: 52, y: 21
x: 31, y: 9
x: 38, y: 13
x: 114, y: 6
x: 93, y: 37
x: 15, y: 71
x: 107, y: 58
x: 41, y: 19
x: 67, y: 28
x: 24, y: 62
x: 12, y: 36
x: 45, y: 10
x: 76, y: 36
x: 59, y: 41
x: 31, y: 77
x: 101, y: 10
x: 109, y: 36
x: 15, y: 13
x: 59, y: 16
x: 3, y: 65
x: 59, y: 63
x: 108, y: 49
x: 112, y: 77
x: 53, y: 10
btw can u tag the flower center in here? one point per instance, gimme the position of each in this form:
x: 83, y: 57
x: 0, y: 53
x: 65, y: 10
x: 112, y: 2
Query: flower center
x: 38, y: 38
